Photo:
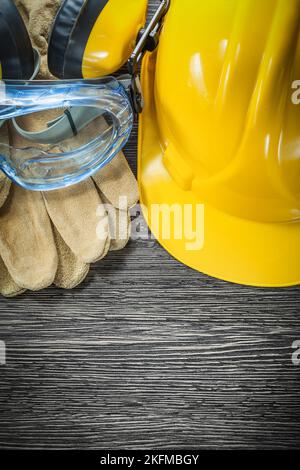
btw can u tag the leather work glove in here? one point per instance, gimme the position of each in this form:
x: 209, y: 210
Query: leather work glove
x: 53, y: 237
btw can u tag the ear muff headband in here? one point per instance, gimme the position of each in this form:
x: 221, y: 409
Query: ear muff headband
x: 16, y: 53
x: 71, y: 30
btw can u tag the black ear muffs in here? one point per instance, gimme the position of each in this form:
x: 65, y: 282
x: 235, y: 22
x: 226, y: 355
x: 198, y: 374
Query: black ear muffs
x: 70, y: 33
x: 16, y: 52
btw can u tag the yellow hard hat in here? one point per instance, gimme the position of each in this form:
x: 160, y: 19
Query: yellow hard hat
x: 221, y: 130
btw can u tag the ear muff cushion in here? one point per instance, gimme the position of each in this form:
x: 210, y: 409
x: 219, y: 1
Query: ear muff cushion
x: 16, y: 53
x: 70, y: 33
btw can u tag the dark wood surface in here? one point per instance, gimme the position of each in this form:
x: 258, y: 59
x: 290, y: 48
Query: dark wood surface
x: 150, y: 354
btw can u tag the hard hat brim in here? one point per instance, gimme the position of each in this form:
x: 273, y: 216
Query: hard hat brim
x: 234, y: 249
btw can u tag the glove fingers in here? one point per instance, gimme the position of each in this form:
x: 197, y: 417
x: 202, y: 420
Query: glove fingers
x: 78, y: 215
x: 71, y: 271
x: 116, y: 181
x: 8, y: 288
x: 26, y: 240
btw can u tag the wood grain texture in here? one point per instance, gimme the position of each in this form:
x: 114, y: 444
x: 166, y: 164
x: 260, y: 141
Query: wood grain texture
x: 150, y: 354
